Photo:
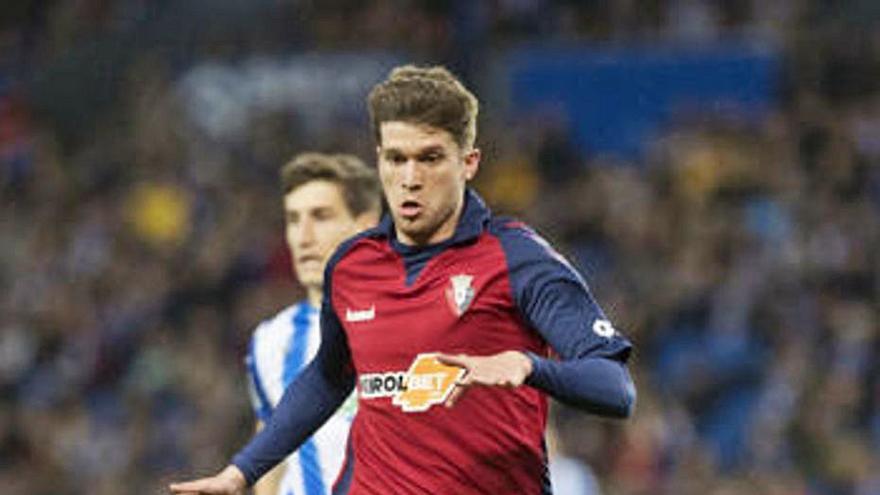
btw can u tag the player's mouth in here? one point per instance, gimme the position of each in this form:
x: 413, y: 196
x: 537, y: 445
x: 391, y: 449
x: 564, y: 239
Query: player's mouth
x: 410, y: 209
x: 308, y: 259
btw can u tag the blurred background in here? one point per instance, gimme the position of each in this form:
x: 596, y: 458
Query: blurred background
x: 712, y: 166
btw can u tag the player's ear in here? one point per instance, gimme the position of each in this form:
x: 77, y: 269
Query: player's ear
x: 472, y: 163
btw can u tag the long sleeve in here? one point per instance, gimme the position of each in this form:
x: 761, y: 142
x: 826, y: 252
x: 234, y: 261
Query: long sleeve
x: 307, y: 403
x: 589, y: 371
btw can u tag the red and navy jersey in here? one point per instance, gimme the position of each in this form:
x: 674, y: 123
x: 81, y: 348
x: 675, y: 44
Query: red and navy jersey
x: 389, y: 308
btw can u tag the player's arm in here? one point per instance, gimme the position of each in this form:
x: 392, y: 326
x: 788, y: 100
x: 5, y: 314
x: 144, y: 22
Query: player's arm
x: 307, y: 403
x: 590, y: 372
x: 269, y: 483
x: 597, y: 384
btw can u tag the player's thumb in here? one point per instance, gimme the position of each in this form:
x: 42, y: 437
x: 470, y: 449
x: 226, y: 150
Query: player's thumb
x: 460, y: 360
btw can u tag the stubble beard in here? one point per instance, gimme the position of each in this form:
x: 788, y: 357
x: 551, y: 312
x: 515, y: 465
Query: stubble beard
x: 424, y: 227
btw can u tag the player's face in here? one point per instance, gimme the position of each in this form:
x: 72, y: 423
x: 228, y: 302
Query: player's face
x: 423, y: 173
x: 317, y: 220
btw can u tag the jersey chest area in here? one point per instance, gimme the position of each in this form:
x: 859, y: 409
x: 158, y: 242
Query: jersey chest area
x: 460, y: 302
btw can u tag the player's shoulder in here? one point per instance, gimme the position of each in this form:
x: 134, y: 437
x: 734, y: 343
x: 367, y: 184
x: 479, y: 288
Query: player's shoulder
x: 520, y: 239
x: 525, y: 248
x: 504, y: 225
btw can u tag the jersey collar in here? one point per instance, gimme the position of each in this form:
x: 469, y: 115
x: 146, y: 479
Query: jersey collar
x: 473, y: 221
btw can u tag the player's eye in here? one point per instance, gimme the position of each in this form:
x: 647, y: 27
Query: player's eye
x: 323, y: 214
x: 396, y: 158
x: 432, y: 157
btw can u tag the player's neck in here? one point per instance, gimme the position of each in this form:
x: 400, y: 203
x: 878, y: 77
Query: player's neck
x: 314, y: 295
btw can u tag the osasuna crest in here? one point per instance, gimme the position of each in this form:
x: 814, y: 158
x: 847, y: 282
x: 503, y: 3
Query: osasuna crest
x: 460, y: 293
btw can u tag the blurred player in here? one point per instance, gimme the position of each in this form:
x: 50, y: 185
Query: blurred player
x: 327, y: 198
x: 454, y: 324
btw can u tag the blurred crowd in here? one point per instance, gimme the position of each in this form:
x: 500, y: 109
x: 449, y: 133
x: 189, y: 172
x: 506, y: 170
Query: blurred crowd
x: 137, y: 252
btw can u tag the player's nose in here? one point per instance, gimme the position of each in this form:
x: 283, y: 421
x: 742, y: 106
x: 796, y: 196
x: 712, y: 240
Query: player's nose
x: 306, y: 234
x: 411, y: 178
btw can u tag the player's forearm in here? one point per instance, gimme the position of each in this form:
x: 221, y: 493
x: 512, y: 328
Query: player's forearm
x: 305, y: 406
x: 598, y: 385
x: 269, y: 483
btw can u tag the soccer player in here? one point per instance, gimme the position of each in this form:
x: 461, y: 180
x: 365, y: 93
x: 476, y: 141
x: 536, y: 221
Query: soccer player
x: 454, y: 324
x: 327, y: 198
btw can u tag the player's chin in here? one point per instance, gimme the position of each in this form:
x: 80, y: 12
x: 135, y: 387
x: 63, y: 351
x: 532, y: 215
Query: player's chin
x: 309, y: 276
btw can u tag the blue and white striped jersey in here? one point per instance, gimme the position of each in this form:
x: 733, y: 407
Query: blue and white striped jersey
x: 279, y: 350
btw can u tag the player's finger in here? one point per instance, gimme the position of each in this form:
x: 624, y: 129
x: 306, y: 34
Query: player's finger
x: 178, y: 487
x: 454, y: 395
x: 468, y: 379
x: 460, y: 360
x: 186, y: 487
x: 512, y: 381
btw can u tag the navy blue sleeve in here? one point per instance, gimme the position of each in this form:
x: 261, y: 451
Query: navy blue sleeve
x: 590, y: 372
x: 307, y: 403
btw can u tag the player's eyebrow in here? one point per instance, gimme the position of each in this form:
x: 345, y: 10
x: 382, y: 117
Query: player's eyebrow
x: 321, y: 210
x: 432, y: 149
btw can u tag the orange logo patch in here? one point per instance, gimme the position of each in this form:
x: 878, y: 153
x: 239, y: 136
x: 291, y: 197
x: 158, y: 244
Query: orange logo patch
x: 428, y: 382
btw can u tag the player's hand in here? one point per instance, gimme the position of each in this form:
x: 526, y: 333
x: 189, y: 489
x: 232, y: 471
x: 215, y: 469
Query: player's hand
x: 507, y: 369
x: 230, y: 481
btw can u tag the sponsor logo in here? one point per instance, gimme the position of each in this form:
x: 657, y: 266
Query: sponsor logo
x: 460, y: 293
x: 375, y: 385
x: 355, y: 315
x: 604, y: 328
x: 427, y: 383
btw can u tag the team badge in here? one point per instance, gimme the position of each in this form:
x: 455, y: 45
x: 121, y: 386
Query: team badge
x: 460, y: 294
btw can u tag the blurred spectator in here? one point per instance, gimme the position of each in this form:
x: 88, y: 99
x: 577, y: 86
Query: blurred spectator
x: 139, y: 232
